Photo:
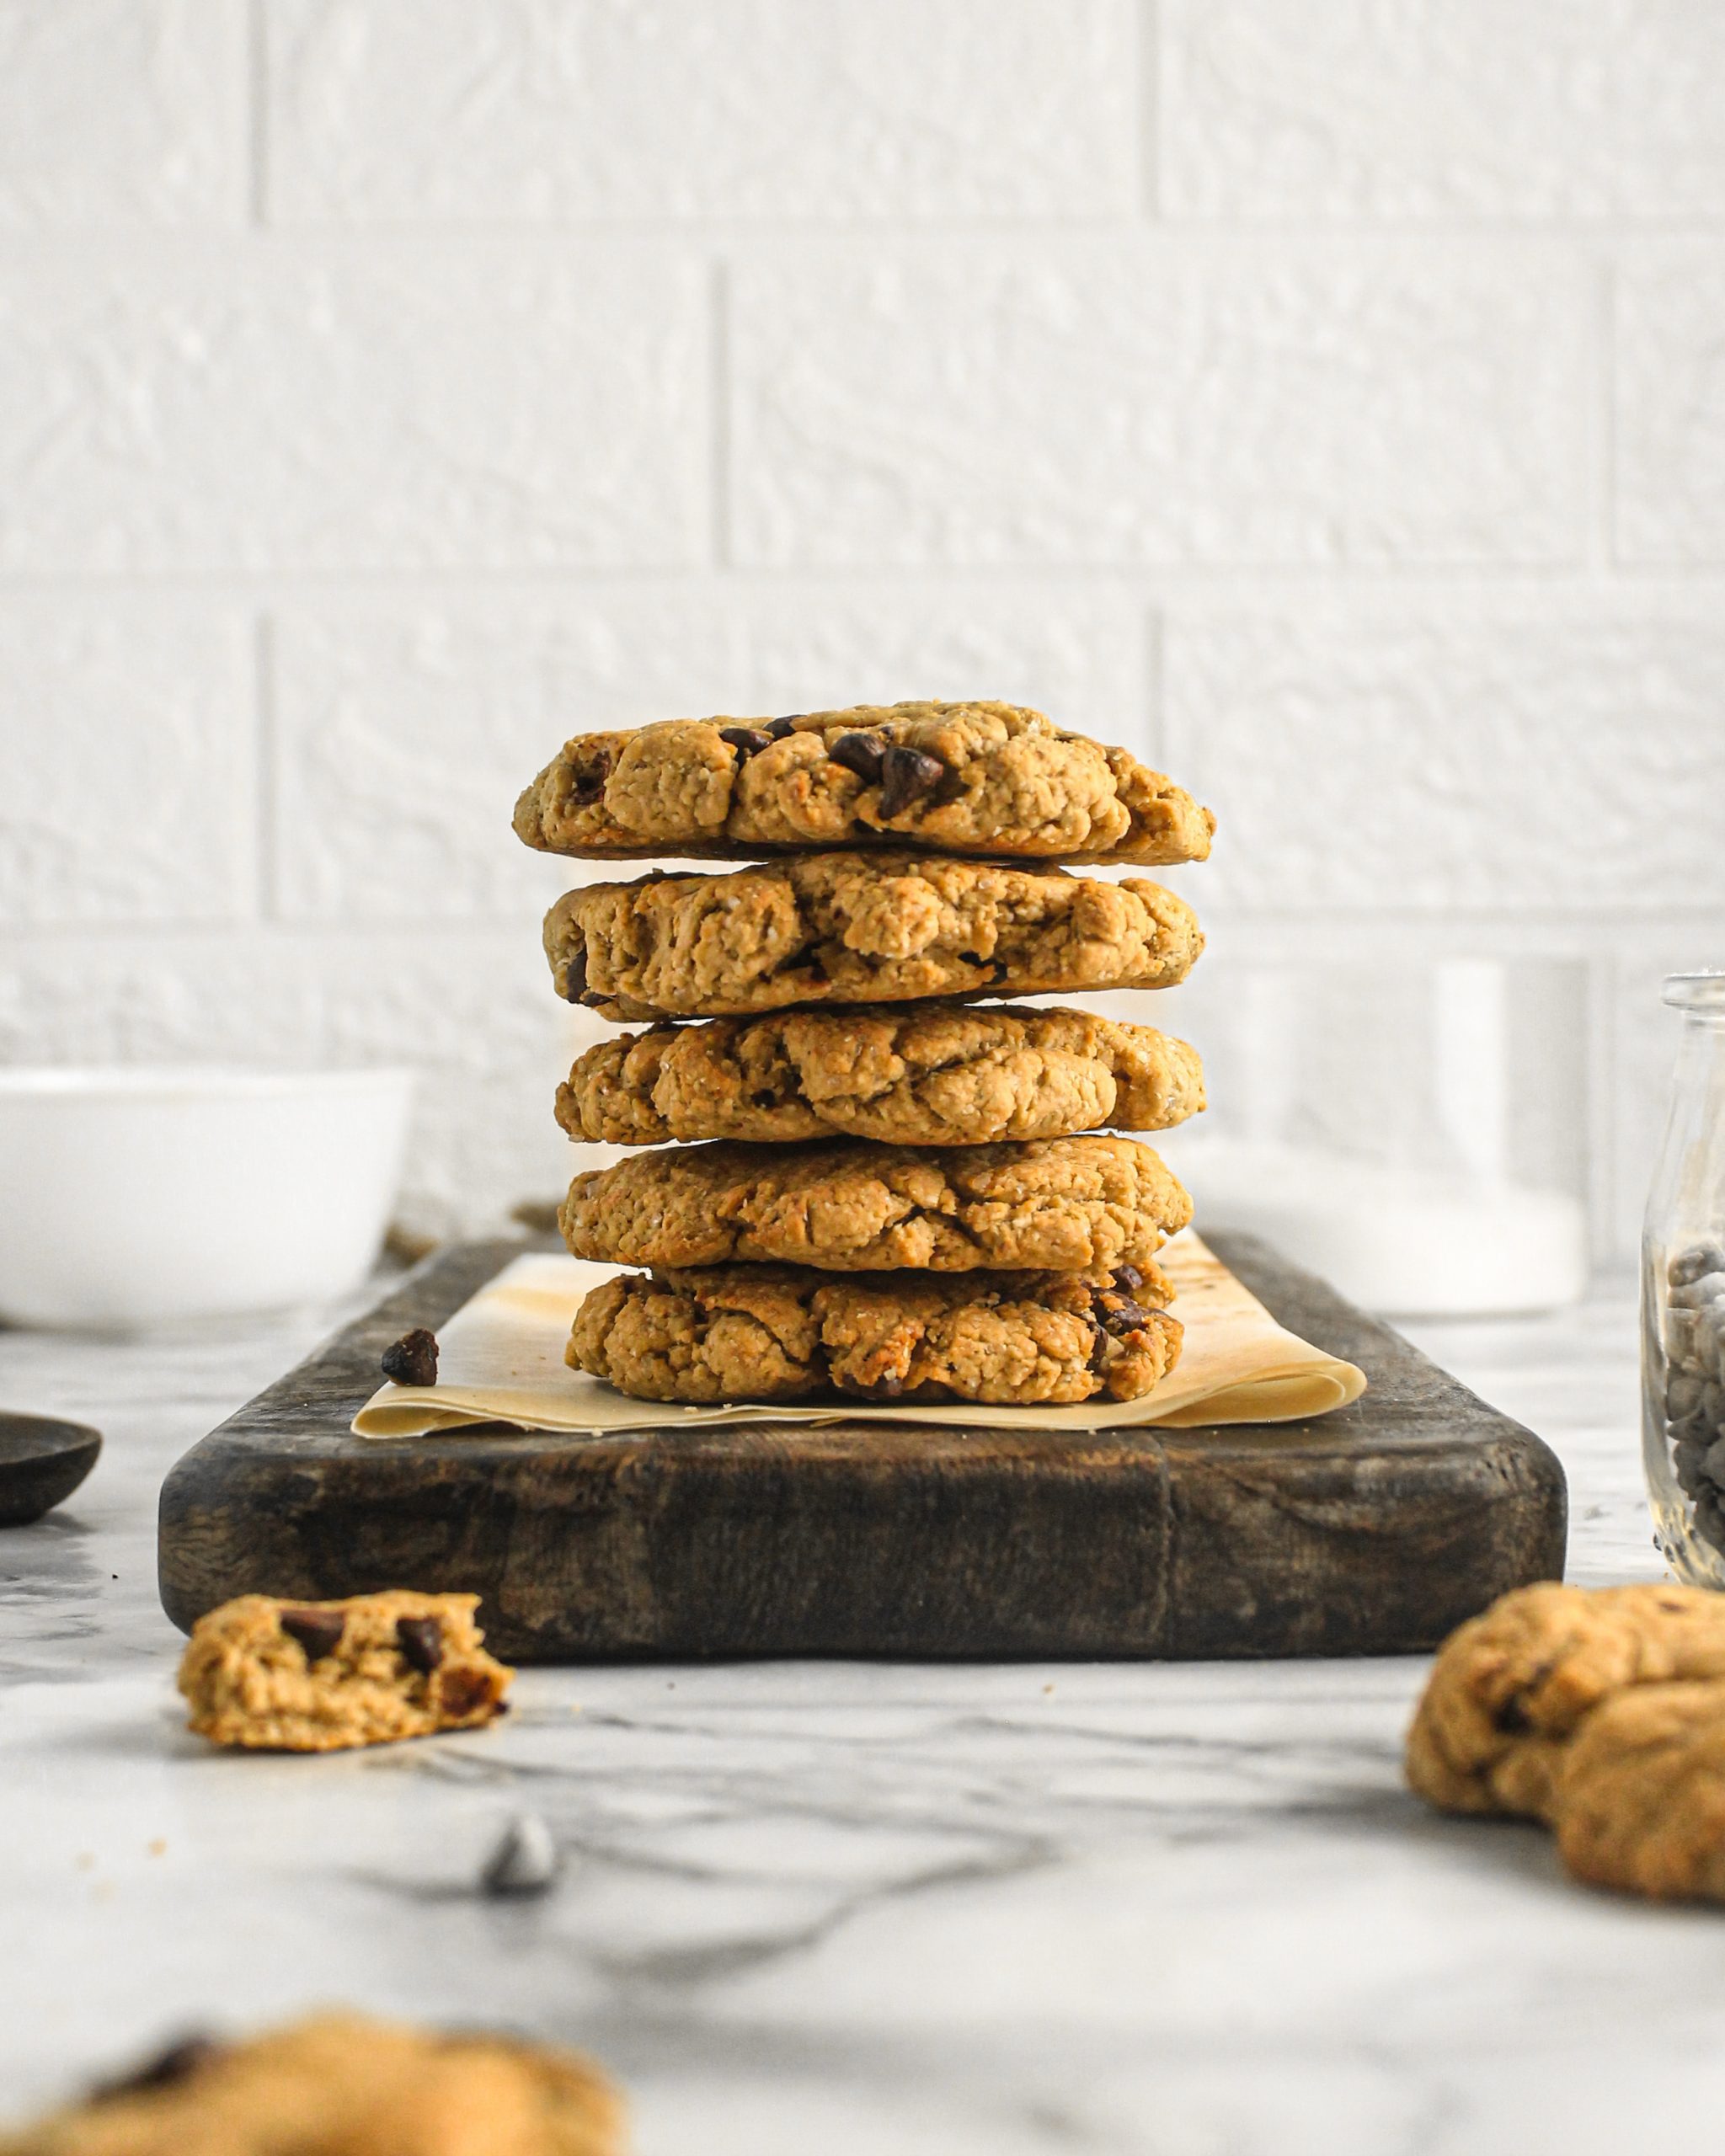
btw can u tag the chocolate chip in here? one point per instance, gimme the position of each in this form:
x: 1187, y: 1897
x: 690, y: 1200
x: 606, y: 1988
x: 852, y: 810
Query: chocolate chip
x: 178, y: 2063
x: 886, y: 1385
x: 1128, y: 1278
x: 574, y: 976
x: 319, y: 1631
x: 413, y: 1359
x: 1512, y: 1717
x: 589, y: 786
x: 1099, y: 1348
x: 1124, y: 1317
x: 464, y: 1692
x: 861, y: 753
x: 1118, y: 1312
x: 421, y: 1640
x: 524, y: 1860
x: 747, y: 740
x: 906, y: 773
x: 778, y: 729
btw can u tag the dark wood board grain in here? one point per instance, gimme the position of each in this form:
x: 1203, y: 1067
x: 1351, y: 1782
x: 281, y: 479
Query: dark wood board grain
x: 1373, y: 1530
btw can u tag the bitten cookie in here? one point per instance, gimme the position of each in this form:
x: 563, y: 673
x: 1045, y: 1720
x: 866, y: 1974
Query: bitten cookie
x: 923, y: 1075
x: 321, y: 1676
x: 739, y: 1332
x: 338, y: 2086
x: 956, y: 777
x: 1510, y: 1687
x: 860, y: 928
x: 1058, y: 1204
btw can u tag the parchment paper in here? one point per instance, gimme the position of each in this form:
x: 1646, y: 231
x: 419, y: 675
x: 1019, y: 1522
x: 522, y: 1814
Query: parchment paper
x: 500, y: 1360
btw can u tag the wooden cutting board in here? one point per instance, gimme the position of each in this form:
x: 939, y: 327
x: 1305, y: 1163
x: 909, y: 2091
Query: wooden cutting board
x: 1373, y: 1530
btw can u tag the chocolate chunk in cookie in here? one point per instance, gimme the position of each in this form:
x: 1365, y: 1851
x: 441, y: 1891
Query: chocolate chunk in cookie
x: 317, y: 1630
x: 421, y: 1642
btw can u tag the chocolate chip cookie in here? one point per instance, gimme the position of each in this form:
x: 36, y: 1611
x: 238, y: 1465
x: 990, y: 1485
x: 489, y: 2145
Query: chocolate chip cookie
x: 1641, y: 1800
x: 736, y: 1332
x: 1510, y: 1687
x: 924, y: 1075
x: 322, y: 1676
x: 956, y: 777
x: 1058, y: 1204
x: 338, y: 2086
x: 860, y: 928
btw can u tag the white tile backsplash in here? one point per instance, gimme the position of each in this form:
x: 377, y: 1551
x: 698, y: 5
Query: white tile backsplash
x: 1165, y: 401
x: 1324, y: 401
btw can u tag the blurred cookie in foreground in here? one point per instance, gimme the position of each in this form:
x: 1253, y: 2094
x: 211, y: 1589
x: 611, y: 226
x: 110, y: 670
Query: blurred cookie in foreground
x: 1601, y: 1713
x: 339, y: 2086
x: 281, y: 1676
x: 1511, y: 1687
x: 726, y: 1332
x: 1642, y: 1797
x: 922, y: 1074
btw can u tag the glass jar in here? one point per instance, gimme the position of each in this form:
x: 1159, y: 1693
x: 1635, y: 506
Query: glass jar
x: 1682, y: 1297
x: 1411, y: 1127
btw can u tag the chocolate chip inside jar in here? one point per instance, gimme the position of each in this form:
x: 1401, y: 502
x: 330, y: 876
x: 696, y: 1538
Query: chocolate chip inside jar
x: 319, y: 1631
x: 1695, y: 1382
x: 413, y: 1359
x: 1117, y: 1312
x: 421, y: 1642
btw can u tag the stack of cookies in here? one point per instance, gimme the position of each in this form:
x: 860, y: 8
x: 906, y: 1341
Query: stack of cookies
x: 879, y: 1184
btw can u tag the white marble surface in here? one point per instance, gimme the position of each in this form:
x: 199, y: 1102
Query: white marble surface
x: 846, y: 1907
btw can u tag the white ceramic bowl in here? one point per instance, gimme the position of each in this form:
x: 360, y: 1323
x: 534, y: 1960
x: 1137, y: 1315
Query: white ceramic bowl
x: 139, y: 1196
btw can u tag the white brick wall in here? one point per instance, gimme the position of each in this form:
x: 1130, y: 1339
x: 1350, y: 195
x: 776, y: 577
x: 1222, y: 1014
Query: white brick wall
x: 1328, y: 400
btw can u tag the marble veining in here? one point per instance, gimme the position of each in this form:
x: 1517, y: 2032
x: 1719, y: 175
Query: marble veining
x: 847, y: 1907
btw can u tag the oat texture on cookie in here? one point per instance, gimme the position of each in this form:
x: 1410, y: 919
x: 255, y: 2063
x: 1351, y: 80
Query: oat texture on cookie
x: 873, y: 1177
